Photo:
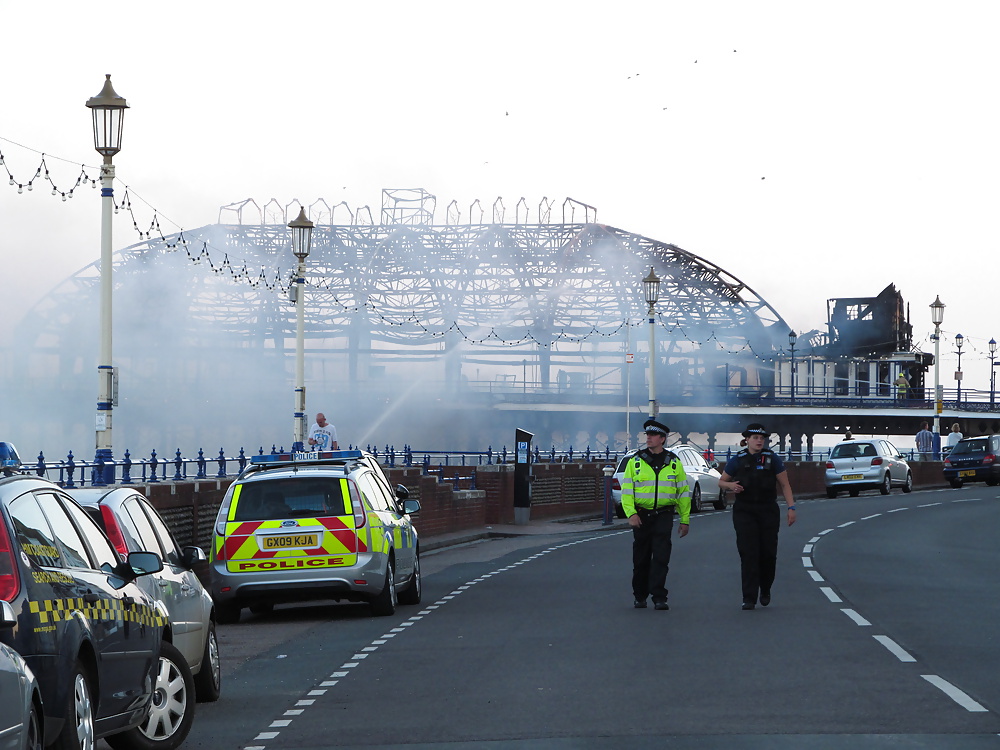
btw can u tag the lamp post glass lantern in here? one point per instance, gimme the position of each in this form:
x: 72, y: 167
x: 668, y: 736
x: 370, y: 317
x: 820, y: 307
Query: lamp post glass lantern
x: 937, y: 318
x: 301, y: 229
x: 651, y: 290
x: 108, y: 112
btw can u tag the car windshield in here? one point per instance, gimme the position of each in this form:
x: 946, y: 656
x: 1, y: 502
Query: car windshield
x: 979, y: 445
x: 853, y: 450
x: 293, y: 498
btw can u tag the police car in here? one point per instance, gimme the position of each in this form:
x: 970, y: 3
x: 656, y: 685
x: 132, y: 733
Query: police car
x: 312, y: 526
x: 86, y: 630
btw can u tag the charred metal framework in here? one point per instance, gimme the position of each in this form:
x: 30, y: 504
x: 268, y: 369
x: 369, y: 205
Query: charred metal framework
x: 534, y: 311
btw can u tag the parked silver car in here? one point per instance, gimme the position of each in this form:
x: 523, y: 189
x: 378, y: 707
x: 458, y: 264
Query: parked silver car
x: 703, y: 479
x: 856, y: 465
x: 20, y: 698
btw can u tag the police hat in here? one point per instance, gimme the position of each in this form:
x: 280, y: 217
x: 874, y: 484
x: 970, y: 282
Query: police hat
x: 651, y: 425
x: 755, y: 428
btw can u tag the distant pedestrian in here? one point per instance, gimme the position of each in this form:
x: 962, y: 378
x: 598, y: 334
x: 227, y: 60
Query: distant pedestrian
x: 954, y: 436
x: 754, y: 475
x: 653, y: 489
x: 848, y: 435
x: 925, y: 442
x: 323, y: 435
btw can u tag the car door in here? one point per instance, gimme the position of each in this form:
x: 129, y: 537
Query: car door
x: 120, y: 619
x: 396, y: 525
x: 177, y: 586
x: 12, y: 688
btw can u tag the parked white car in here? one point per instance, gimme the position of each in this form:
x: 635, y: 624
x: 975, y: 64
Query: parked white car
x: 703, y: 479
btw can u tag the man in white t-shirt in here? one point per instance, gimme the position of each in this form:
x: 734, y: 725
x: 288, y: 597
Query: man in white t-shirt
x: 323, y: 435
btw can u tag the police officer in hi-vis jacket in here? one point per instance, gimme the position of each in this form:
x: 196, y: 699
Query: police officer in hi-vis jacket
x: 653, y: 489
x: 754, y: 474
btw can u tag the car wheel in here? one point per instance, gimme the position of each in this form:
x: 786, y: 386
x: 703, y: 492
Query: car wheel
x: 384, y: 603
x: 720, y: 504
x: 908, y: 485
x: 78, y: 728
x: 227, y: 614
x: 696, y: 499
x: 208, y: 681
x: 955, y: 483
x: 34, y: 733
x: 411, y: 594
x: 991, y: 482
x: 831, y: 493
x: 886, y: 487
x: 171, y: 712
x: 854, y: 492
x: 262, y: 608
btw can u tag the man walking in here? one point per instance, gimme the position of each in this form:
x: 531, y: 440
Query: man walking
x: 653, y: 488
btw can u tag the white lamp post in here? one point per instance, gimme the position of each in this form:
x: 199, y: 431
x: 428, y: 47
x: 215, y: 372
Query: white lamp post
x: 301, y: 244
x: 937, y: 317
x: 651, y: 289
x: 792, y: 338
x: 108, y: 110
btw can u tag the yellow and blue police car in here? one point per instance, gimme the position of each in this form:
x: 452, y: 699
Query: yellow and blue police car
x: 314, y: 526
x: 87, y: 631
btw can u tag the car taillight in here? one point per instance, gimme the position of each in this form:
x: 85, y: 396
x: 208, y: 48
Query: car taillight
x: 615, y: 484
x: 829, y: 464
x: 876, y: 462
x: 114, y: 531
x: 10, y: 579
x: 989, y: 458
x: 947, y: 462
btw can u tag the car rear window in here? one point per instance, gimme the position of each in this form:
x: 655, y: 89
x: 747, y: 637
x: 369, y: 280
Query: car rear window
x: 853, y: 450
x: 977, y: 445
x: 293, y: 498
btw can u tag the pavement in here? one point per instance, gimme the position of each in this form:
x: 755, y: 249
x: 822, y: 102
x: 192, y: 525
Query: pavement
x: 568, y: 525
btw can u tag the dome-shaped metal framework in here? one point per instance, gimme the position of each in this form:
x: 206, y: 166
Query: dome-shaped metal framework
x: 533, y: 313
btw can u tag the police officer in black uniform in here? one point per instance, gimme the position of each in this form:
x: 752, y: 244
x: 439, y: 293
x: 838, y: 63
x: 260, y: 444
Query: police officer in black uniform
x: 754, y: 475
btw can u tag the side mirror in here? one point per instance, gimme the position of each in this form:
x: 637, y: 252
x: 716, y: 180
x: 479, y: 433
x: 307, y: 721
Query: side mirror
x: 411, y: 506
x: 401, y: 492
x: 190, y: 556
x: 7, y: 616
x: 137, y: 564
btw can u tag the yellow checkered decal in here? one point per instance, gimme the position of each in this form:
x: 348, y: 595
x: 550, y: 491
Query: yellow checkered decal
x: 58, y: 610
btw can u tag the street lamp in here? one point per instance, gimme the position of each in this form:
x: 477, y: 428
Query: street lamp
x: 959, y: 340
x: 651, y: 288
x: 108, y: 111
x: 301, y: 244
x: 792, y: 338
x: 993, y: 372
x: 937, y: 317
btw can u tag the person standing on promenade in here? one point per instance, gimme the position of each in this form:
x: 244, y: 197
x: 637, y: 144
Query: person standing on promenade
x: 323, y: 435
x: 653, y: 488
x: 954, y: 436
x: 754, y: 475
x: 925, y: 442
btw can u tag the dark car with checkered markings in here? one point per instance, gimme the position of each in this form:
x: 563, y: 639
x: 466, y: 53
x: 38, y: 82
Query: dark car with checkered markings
x: 90, y: 635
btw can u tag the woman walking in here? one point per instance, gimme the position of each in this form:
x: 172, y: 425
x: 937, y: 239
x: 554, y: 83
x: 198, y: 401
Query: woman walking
x: 754, y: 475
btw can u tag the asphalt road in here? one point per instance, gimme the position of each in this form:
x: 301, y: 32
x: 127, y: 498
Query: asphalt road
x: 882, y: 634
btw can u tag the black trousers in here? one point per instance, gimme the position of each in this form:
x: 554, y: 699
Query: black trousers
x: 757, y: 527
x: 651, y: 548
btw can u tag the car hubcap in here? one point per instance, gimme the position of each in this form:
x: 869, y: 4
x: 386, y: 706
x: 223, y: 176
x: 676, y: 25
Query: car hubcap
x: 169, y: 702
x: 84, y: 713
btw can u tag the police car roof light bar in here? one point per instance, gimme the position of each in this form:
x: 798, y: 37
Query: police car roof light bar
x: 312, y: 457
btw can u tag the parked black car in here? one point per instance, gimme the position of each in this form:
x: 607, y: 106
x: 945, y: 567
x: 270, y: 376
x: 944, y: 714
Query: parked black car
x: 974, y: 459
x: 90, y: 635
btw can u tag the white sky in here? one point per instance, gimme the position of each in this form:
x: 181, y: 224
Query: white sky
x: 814, y: 150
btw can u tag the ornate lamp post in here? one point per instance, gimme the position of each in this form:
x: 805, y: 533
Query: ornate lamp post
x: 937, y: 317
x: 108, y: 111
x: 993, y: 372
x: 651, y: 289
x: 301, y: 244
x: 959, y: 340
x: 792, y: 338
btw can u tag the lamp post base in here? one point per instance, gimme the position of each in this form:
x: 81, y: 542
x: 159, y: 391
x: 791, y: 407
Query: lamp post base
x: 104, y: 470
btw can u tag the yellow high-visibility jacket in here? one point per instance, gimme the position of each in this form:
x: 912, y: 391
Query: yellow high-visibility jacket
x: 644, y: 488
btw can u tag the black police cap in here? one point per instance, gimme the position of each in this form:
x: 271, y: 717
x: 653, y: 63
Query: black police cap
x: 755, y: 428
x: 651, y: 425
